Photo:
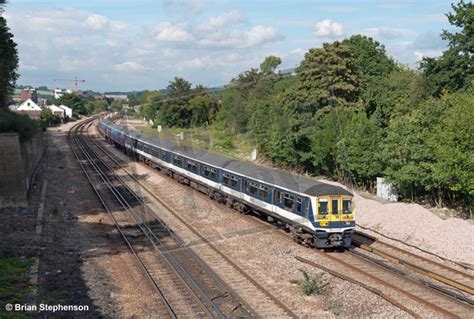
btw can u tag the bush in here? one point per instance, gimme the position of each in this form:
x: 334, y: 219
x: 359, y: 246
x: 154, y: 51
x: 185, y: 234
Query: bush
x: 21, y: 124
x: 311, y: 284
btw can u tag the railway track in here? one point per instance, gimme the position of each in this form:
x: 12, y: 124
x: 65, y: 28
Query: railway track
x: 403, y: 292
x: 254, y: 297
x: 184, y: 288
x: 452, y: 277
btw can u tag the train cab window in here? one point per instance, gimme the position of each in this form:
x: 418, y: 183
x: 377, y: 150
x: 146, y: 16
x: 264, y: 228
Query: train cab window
x: 334, y: 206
x: 288, y: 201
x: 177, y: 160
x: 322, y: 206
x: 263, y: 192
x: 298, y: 204
x: 253, y: 188
x: 347, y: 206
x: 307, y: 207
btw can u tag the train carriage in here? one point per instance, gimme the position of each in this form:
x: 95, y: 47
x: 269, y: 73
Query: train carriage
x: 317, y: 214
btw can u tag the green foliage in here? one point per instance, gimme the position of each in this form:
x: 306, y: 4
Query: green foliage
x: 75, y: 102
x: 455, y: 68
x: 13, y: 122
x: 429, y: 151
x: 203, y: 109
x: 8, y: 63
x: 311, y: 284
x: 14, y: 281
x: 270, y: 63
x: 47, y: 118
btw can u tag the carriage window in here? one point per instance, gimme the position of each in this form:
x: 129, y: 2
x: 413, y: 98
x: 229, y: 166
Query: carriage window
x: 323, y: 206
x: 334, y: 207
x: 234, y: 181
x: 207, y: 171
x: 226, y: 178
x: 288, y: 201
x: 298, y: 204
x: 192, y: 166
x: 253, y: 189
x: 177, y: 160
x: 347, y: 206
x: 163, y: 155
x: 213, y: 173
x: 263, y: 192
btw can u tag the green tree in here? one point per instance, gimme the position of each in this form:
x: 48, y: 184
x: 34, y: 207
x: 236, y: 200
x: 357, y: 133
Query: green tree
x: 453, y: 150
x: 203, y: 109
x: 47, y: 118
x: 8, y: 63
x: 175, y: 110
x: 269, y: 65
x: 75, y: 102
x: 455, y: 68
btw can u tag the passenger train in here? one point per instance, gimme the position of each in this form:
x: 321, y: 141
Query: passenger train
x: 317, y: 214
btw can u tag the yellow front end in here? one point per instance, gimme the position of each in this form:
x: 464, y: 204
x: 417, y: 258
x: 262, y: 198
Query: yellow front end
x: 335, y: 211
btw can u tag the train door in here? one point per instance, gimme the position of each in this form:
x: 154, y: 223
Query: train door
x: 335, y: 209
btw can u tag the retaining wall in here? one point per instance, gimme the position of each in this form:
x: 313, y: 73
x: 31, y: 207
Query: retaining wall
x: 18, y: 163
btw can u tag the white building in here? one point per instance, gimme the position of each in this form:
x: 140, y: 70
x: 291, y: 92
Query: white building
x: 60, y: 92
x: 28, y: 107
x: 67, y: 110
x: 56, y: 110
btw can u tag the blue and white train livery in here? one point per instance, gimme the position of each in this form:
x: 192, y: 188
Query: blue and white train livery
x: 316, y: 213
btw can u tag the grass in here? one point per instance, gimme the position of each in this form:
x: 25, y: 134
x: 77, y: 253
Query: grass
x: 14, y: 283
x: 311, y: 284
x: 213, y: 139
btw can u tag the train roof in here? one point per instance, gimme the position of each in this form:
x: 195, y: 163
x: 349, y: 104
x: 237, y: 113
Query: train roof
x: 273, y: 176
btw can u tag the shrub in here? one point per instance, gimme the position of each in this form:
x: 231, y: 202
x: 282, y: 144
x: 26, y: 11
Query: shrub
x: 311, y: 284
x: 21, y: 124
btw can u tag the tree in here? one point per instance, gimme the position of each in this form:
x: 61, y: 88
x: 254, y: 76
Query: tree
x: 369, y: 57
x: 203, y: 109
x: 455, y: 68
x: 269, y: 65
x: 175, y: 110
x: 47, y: 118
x: 75, y: 102
x: 8, y: 62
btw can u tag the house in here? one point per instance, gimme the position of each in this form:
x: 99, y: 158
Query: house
x: 60, y: 92
x: 67, y: 110
x: 28, y: 107
x: 57, y: 111
x: 29, y: 93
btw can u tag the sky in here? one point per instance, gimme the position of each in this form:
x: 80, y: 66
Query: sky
x: 118, y: 45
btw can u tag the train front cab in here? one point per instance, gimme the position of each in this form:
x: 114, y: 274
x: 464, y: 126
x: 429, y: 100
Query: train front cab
x: 335, y: 215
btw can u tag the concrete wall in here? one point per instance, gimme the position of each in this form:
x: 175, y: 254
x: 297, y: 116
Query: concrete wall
x: 18, y: 163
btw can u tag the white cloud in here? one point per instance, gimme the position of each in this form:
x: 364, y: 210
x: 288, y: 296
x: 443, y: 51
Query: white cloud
x: 129, y: 66
x: 225, y: 19
x: 166, y: 31
x: 387, y: 33
x: 96, y: 22
x: 260, y: 34
x: 419, y: 55
x: 327, y: 29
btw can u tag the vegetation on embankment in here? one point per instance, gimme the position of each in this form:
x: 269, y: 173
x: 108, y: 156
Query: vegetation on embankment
x: 351, y: 113
x: 14, y: 283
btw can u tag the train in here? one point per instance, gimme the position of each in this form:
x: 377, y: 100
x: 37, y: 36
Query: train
x: 317, y: 214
